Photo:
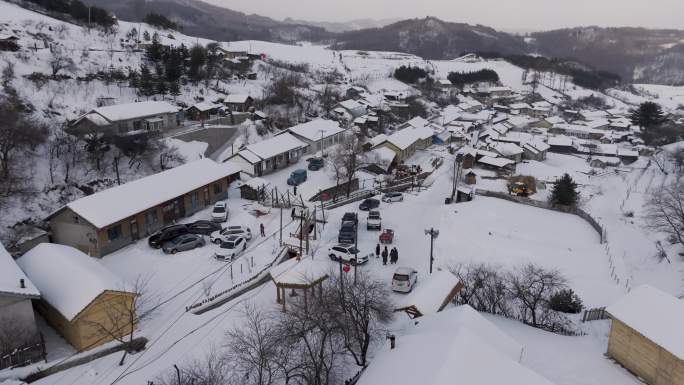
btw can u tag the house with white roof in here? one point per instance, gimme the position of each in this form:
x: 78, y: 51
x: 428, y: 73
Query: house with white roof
x: 406, y: 142
x: 535, y: 149
x: 238, y: 102
x: 508, y: 150
x: 318, y: 134
x: 456, y: 346
x: 646, y: 335
x: 108, y: 220
x: 203, y: 110
x: 17, y: 294
x: 349, y: 110
x: 269, y: 155
x: 82, y: 300
x: 128, y: 118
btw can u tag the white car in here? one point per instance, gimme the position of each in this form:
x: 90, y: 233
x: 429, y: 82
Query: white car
x: 231, y: 248
x: 374, y: 221
x: 404, y: 279
x: 393, y: 197
x: 220, y: 212
x: 223, y: 234
x: 347, y: 254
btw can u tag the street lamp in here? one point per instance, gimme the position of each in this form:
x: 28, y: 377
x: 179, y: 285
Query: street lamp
x: 433, y: 234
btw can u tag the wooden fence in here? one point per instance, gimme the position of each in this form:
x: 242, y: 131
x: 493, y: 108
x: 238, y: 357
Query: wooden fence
x: 24, y: 355
x: 595, y: 314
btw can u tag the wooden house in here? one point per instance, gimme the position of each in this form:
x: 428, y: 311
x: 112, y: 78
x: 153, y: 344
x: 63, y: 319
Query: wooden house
x: 108, y: 220
x: 269, y: 155
x: 125, y: 119
x: 238, y: 102
x: 81, y: 299
x: 646, y: 335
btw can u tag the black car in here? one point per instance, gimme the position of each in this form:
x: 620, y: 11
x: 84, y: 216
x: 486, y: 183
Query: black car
x: 347, y: 233
x: 166, y: 234
x: 315, y: 164
x: 203, y: 227
x: 350, y: 217
x: 369, y: 204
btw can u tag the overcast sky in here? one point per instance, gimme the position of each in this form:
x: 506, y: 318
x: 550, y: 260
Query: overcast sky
x: 522, y: 15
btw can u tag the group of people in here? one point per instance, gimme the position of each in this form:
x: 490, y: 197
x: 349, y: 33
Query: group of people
x: 392, y: 254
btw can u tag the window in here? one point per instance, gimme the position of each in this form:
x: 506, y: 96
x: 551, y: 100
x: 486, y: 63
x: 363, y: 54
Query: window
x: 136, y: 124
x: 114, y: 233
x: 77, y: 219
x: 217, y: 188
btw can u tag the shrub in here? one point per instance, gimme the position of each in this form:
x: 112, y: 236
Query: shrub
x: 408, y: 74
x: 566, y: 301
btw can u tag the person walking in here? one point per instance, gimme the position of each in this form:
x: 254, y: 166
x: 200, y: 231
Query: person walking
x: 263, y: 230
x: 391, y: 256
x: 292, y: 215
x: 377, y: 251
x: 384, y: 256
x: 395, y: 255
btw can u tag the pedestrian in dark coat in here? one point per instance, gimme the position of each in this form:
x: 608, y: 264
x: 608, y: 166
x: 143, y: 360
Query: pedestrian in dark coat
x: 263, y: 230
x: 377, y: 251
x: 395, y: 255
x: 292, y: 215
x: 384, y: 256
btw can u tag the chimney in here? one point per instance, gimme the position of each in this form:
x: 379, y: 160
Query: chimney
x: 21, y: 283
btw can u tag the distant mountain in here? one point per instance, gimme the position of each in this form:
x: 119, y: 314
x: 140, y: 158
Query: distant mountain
x: 338, y: 27
x: 212, y: 22
x: 431, y: 38
x: 637, y: 54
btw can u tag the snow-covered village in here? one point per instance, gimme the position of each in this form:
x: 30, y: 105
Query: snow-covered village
x: 318, y: 207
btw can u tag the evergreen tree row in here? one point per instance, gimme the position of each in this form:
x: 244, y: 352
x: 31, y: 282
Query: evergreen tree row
x: 462, y: 78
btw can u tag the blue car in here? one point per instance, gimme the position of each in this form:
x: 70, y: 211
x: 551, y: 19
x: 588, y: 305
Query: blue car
x: 297, y: 177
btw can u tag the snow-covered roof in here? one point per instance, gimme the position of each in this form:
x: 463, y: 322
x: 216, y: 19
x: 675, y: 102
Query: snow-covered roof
x: 382, y: 156
x: 555, y: 120
x: 417, y: 122
x: 68, y: 279
x: 507, y: 149
x: 519, y: 106
x: 10, y: 276
x: 276, y: 145
x: 403, y: 139
x: 206, y: 106
x: 449, y: 114
x: 112, y: 205
x: 236, y: 98
x: 316, y: 129
x: 465, y: 352
x: 560, y: 140
x: 134, y: 110
x: 627, y: 153
x: 351, y: 104
x: 537, y: 145
x: 431, y: 294
x: 655, y: 314
x: 302, y: 271
x: 496, y: 162
x: 248, y: 156
x: 96, y: 119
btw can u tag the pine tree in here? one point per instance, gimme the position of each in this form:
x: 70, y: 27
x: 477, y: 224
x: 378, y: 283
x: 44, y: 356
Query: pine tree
x: 648, y: 115
x: 564, y: 191
x: 174, y: 89
x: 146, y: 85
x: 162, y: 88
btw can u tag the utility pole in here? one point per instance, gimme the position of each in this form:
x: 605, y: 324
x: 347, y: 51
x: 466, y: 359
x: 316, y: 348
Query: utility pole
x: 457, y: 174
x: 433, y: 234
x: 281, y: 225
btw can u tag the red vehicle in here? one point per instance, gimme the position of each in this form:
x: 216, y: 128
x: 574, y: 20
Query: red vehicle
x: 387, y: 236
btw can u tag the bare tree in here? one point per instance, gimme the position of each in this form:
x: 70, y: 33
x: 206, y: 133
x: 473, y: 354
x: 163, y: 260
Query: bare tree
x: 661, y: 158
x: 18, y: 134
x: 122, y: 313
x: 211, y: 370
x: 665, y: 211
x: 484, y: 288
x: 60, y: 61
x: 363, y: 310
x: 532, y: 287
x: 346, y: 159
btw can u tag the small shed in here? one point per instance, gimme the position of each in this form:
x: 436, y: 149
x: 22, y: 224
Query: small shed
x: 303, y: 274
x: 254, y: 189
x: 80, y: 297
x: 431, y: 296
x: 470, y: 177
x: 646, y: 335
x: 464, y: 194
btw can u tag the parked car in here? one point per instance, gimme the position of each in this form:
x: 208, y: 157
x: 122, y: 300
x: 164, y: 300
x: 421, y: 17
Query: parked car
x: 223, y: 234
x: 315, y: 164
x: 203, y: 227
x: 369, y: 204
x: 386, y: 237
x: 347, y: 233
x: 350, y: 217
x: 183, y: 243
x: 347, y: 254
x: 374, y: 221
x: 393, y: 197
x: 166, y: 234
x: 231, y: 248
x: 297, y: 177
x: 404, y: 279
x: 220, y: 212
